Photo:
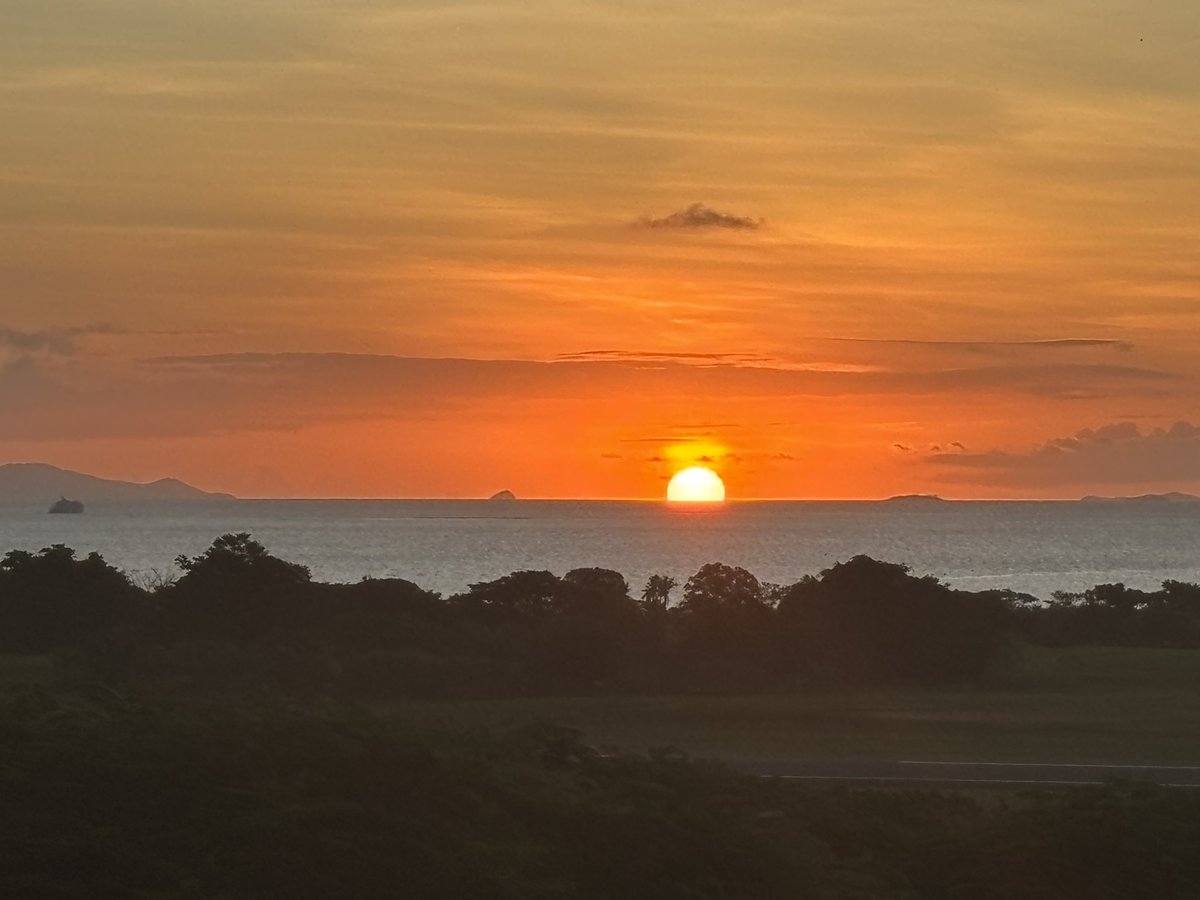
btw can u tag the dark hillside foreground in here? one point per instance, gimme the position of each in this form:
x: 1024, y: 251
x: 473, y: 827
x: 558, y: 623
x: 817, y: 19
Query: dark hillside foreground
x: 106, y: 797
x: 241, y: 731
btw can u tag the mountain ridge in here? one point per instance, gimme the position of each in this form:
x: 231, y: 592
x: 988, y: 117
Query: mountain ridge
x: 32, y: 482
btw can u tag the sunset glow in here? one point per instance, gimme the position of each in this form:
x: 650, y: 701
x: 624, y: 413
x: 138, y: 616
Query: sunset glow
x: 418, y: 250
x: 696, y: 485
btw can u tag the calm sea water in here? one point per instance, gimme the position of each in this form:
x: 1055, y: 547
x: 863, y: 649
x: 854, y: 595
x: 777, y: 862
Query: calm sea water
x: 445, y: 545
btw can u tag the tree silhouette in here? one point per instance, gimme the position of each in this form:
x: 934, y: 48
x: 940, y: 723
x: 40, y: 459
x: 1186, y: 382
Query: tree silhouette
x: 239, y: 560
x: 602, y: 583
x: 657, y: 592
x: 718, y: 586
x: 237, y: 589
x: 50, y: 599
x: 870, y: 621
x: 724, y: 630
x: 523, y: 593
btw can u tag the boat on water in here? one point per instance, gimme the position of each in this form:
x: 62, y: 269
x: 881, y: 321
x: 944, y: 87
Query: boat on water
x: 63, y: 505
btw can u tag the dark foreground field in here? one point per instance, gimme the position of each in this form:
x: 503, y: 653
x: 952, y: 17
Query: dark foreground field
x: 1094, y: 705
x: 110, y: 796
x: 1130, y: 706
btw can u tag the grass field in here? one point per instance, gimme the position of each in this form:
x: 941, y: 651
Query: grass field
x: 1103, y: 705
x: 26, y: 669
x: 1089, y: 704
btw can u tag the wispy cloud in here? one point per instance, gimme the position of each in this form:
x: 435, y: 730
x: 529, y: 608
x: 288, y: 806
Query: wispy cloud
x: 62, y: 341
x: 700, y: 216
x: 996, y: 347
x: 1118, y: 453
x: 280, y: 391
x: 660, y: 356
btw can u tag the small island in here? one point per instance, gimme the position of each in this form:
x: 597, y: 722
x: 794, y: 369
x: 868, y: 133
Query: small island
x: 916, y: 498
x: 503, y: 495
x: 63, y: 505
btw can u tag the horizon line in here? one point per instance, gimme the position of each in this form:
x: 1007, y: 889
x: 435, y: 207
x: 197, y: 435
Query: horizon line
x: 916, y: 498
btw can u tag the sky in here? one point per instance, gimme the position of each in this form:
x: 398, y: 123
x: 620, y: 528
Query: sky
x: 438, y: 249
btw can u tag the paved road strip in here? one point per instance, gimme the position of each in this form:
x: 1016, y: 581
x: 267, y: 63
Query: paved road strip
x: 985, y: 772
x: 1015, y: 765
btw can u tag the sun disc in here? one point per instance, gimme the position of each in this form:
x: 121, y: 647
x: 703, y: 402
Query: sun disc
x: 696, y: 485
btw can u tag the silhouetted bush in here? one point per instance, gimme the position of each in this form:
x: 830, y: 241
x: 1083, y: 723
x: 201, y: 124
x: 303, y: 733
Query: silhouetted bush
x: 236, y: 589
x: 50, y: 600
x: 1115, y: 614
x: 865, y: 621
x: 107, y: 797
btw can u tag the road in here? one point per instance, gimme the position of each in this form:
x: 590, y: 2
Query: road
x: 948, y: 773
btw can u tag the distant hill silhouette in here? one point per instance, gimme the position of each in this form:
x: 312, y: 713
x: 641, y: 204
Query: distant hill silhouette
x: 41, y: 484
x: 916, y: 498
x: 503, y: 495
x: 1171, y: 497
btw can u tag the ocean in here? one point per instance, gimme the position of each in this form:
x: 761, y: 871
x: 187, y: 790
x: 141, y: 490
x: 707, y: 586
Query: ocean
x: 445, y: 545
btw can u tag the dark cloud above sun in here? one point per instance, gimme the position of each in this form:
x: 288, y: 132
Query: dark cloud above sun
x: 698, y: 216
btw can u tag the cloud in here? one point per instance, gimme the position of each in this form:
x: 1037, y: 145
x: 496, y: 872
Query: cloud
x: 659, y: 356
x: 61, y: 341
x: 1118, y: 454
x: 1060, y: 381
x: 451, y: 375
x: 991, y: 347
x: 222, y: 393
x: 700, y: 216
x: 905, y: 354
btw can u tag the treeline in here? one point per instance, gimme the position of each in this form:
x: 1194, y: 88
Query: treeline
x: 238, y: 616
x: 1115, y: 614
x: 106, y: 797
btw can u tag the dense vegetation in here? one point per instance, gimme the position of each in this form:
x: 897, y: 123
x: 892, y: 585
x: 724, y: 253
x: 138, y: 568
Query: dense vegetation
x: 197, y: 742
x: 239, y: 616
x: 103, y: 797
x: 1113, y: 614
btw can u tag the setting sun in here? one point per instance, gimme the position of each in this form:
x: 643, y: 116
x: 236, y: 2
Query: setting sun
x: 696, y: 485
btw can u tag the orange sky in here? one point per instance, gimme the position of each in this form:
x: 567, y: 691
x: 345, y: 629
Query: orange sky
x: 439, y: 249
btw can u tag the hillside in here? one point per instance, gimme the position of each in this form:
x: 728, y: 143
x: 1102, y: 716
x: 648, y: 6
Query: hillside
x: 43, y: 484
